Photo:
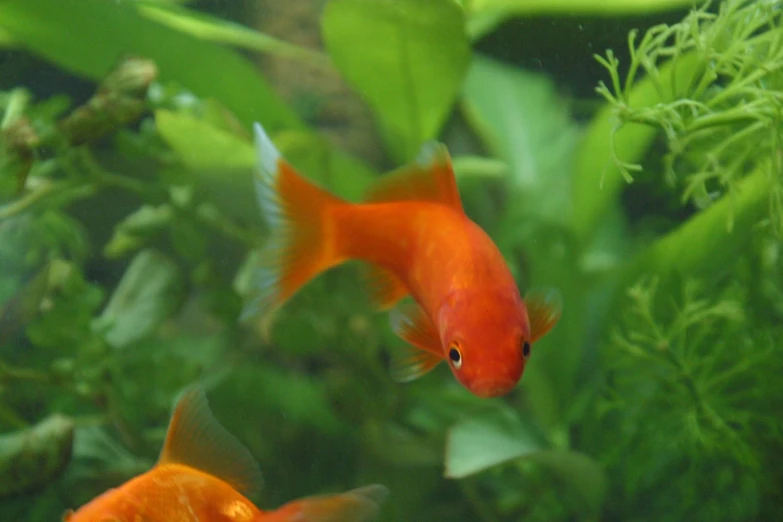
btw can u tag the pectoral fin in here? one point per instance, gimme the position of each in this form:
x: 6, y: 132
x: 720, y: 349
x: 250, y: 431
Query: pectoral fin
x: 411, y: 322
x: 412, y: 364
x: 544, y: 308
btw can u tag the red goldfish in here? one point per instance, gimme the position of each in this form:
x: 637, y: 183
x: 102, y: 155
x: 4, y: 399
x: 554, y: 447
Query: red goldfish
x: 417, y: 240
x: 203, y: 475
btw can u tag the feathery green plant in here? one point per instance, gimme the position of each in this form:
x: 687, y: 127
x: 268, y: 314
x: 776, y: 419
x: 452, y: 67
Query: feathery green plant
x: 691, y: 396
x: 722, y: 113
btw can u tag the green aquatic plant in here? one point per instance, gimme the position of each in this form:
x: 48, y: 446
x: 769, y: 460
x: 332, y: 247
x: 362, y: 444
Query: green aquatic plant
x: 720, y: 109
x: 691, y: 392
x: 124, y: 262
x: 36, y: 455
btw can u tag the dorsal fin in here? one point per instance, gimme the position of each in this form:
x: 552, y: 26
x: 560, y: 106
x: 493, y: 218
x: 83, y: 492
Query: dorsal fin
x: 429, y: 178
x: 196, y: 439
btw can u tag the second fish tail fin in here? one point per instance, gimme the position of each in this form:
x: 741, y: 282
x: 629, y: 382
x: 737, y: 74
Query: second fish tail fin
x: 302, y: 235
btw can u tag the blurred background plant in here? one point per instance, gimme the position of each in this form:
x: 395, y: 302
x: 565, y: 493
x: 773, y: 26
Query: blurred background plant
x: 128, y: 225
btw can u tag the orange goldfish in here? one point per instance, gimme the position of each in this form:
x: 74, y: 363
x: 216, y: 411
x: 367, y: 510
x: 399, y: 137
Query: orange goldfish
x: 416, y: 239
x: 204, y: 474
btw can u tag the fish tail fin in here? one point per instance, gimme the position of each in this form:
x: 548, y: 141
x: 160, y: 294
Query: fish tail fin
x: 357, y: 505
x: 302, y: 239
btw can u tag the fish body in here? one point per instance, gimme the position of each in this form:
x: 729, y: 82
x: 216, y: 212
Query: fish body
x: 417, y: 240
x: 170, y: 492
x: 204, y: 475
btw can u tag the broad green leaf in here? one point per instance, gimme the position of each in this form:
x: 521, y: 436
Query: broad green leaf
x: 32, y: 457
x: 275, y: 391
x: 6, y: 39
x: 583, y: 476
x: 318, y: 160
x: 200, y: 145
x: 66, y: 323
x: 485, y: 15
x: 24, y: 305
x: 478, y: 167
x: 224, y: 161
x: 718, y: 232
x: 89, y: 37
x: 213, y: 29
x: 575, y: 7
x: 522, y: 121
x: 221, y: 161
x: 480, y: 443
x: 148, y: 293
x: 130, y: 233
x: 406, y: 57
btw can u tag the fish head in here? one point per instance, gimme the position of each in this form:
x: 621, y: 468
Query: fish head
x: 485, y: 334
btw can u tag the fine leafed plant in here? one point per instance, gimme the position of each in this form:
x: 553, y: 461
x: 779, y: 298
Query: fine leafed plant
x: 719, y: 104
x: 691, y: 395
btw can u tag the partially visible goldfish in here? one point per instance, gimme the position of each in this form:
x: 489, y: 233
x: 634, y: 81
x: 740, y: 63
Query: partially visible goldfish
x: 418, y: 241
x: 204, y: 474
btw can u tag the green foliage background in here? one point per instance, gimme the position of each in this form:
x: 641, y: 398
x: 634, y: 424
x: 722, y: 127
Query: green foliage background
x: 656, y: 213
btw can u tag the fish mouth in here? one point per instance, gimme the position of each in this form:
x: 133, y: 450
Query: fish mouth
x: 492, y: 387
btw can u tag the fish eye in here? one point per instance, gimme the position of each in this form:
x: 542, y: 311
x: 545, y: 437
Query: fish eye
x: 525, y: 349
x: 455, y: 355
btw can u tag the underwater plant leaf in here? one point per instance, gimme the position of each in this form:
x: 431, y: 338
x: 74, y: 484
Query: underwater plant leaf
x: 130, y: 233
x: 321, y: 162
x: 693, y: 392
x: 485, y: 15
x: 720, y: 113
x: 522, y: 121
x: 223, y: 161
x: 109, y: 30
x: 214, y: 29
x: 412, y: 79
x: 693, y: 248
x: 478, y: 167
x: 477, y: 444
x: 607, y: 147
x: 583, y: 475
x: 97, y: 455
x: 35, y: 456
x: 24, y: 305
x: 300, y: 398
x: 66, y: 323
x: 598, y: 178
x: 148, y: 293
x: 200, y: 145
x: 220, y: 161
